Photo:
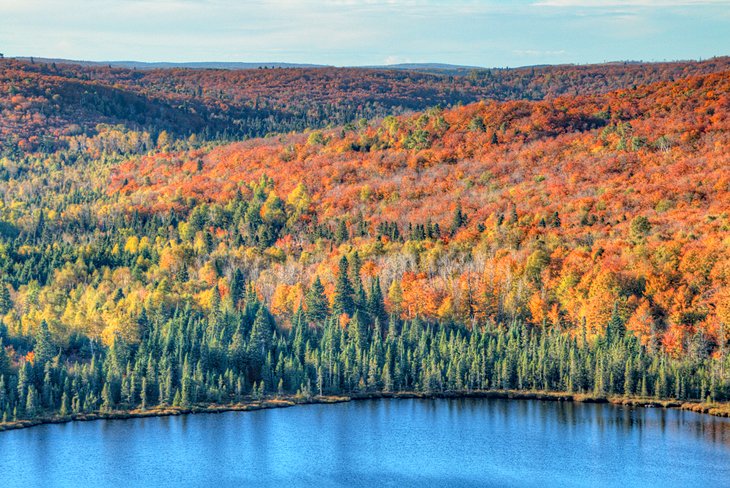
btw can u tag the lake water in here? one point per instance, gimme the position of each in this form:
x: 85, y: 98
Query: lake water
x: 467, y: 442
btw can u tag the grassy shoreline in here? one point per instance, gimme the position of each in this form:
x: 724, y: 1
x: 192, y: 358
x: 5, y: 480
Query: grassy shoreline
x: 714, y: 409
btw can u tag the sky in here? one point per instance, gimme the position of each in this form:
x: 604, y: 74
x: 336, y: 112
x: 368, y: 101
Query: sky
x: 486, y: 33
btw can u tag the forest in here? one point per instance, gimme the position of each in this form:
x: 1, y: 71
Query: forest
x: 43, y: 102
x: 559, y: 229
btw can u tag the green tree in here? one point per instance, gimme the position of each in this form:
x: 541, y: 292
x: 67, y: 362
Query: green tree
x: 260, y: 334
x: 344, y: 294
x: 342, y: 235
x: 5, y: 302
x: 639, y: 228
x: 316, y: 302
x: 238, y: 286
x: 43, y: 348
x: 459, y: 220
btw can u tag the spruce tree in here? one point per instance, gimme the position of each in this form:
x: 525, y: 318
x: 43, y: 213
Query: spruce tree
x: 4, y: 360
x: 343, y: 300
x: 342, y: 235
x: 260, y: 334
x: 459, y: 219
x: 5, y: 302
x: 376, y: 304
x: 316, y: 302
x: 43, y: 348
x: 238, y: 286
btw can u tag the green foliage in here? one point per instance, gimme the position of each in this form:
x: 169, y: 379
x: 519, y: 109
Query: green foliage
x: 344, y: 302
x: 316, y: 302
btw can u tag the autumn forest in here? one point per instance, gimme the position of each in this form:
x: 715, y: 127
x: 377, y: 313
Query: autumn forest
x: 172, y: 238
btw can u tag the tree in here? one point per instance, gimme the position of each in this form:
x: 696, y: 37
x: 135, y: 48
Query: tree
x: 459, y: 219
x: 5, y: 302
x: 32, y: 403
x: 615, y: 328
x: 238, y: 286
x: 4, y: 360
x: 358, y: 331
x: 344, y: 294
x: 106, y: 397
x: 376, y: 303
x: 555, y: 220
x: 316, y: 302
x: 273, y: 211
x: 477, y: 124
x: 342, y: 234
x: 44, y: 348
x: 639, y: 229
x: 395, y: 296
x: 143, y: 394
x: 163, y: 139
x: 260, y: 334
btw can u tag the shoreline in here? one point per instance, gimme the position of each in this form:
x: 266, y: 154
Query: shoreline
x: 713, y: 409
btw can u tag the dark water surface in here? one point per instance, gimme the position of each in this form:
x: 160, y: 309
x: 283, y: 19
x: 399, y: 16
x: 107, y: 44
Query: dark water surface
x: 468, y: 442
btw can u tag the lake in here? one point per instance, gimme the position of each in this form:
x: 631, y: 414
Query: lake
x: 463, y: 442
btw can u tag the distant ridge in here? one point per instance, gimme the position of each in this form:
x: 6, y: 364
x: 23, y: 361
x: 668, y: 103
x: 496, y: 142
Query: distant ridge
x: 167, y: 65
x: 423, y: 66
x: 233, y: 65
x: 433, y: 68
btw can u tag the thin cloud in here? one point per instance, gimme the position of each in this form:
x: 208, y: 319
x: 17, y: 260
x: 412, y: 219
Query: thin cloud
x: 347, y: 32
x: 628, y: 3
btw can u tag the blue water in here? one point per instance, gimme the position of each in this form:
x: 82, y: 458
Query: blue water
x: 468, y: 442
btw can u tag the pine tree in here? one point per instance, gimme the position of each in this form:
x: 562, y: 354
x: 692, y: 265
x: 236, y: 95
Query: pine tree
x: 177, y: 399
x: 555, y: 220
x: 316, y: 302
x: 238, y: 286
x: 3, y: 394
x: 615, y: 328
x: 5, y: 301
x: 599, y: 386
x: 260, y: 334
x: 43, y: 348
x: 629, y: 379
x: 106, y: 398
x: 342, y: 235
x: 4, y: 359
x: 32, y: 404
x: 64, y: 409
x: 343, y: 300
x: 459, y: 219
x: 376, y: 304
x: 143, y: 394
x: 24, y: 378
x: 358, y: 332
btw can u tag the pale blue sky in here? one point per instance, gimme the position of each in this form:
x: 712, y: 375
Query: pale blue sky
x: 348, y: 32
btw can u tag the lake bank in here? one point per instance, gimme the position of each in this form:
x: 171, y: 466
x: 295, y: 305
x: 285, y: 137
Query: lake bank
x: 714, y: 409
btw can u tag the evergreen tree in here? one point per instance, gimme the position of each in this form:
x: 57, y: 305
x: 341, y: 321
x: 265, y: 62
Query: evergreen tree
x: 342, y: 235
x: 629, y: 379
x: 316, y: 302
x: 615, y: 328
x: 459, y: 219
x: 238, y: 286
x: 5, y: 302
x: 32, y: 403
x: 4, y: 359
x: 376, y: 303
x: 260, y: 334
x: 344, y: 294
x: 43, y: 348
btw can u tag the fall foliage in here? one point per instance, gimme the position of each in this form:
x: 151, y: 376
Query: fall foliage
x: 145, y: 260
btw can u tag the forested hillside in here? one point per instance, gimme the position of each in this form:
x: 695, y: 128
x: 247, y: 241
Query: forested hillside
x: 577, y: 242
x: 42, y: 101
